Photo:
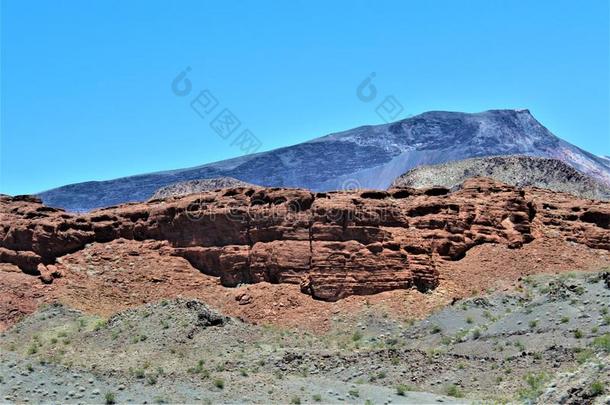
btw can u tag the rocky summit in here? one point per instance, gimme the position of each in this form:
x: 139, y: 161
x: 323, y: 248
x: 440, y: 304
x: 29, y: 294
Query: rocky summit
x: 370, y: 156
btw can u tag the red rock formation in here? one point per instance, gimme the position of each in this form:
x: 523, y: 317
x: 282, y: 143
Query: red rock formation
x: 332, y: 244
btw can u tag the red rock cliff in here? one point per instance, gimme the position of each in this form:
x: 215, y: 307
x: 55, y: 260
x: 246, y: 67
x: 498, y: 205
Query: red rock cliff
x: 332, y: 244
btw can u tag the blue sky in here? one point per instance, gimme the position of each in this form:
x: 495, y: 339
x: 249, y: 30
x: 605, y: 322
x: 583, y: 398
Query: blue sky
x: 86, y: 85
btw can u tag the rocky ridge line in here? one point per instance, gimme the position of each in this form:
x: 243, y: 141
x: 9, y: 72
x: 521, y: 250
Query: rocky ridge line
x: 518, y: 170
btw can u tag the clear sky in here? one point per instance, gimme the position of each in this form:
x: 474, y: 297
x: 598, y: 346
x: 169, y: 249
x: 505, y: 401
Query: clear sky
x: 86, y: 85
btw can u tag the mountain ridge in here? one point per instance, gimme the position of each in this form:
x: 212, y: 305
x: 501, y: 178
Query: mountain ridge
x: 369, y: 156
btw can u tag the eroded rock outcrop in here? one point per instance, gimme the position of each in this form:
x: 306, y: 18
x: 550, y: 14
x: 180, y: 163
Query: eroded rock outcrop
x: 332, y: 244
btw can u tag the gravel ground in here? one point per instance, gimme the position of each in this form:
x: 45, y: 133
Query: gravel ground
x: 548, y: 342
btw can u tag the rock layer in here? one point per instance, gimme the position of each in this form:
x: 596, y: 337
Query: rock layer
x: 332, y: 244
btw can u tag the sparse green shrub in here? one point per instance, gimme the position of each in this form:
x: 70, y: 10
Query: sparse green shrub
x: 219, y: 383
x: 109, y: 398
x: 583, y: 356
x: 476, y: 333
x: 30, y: 368
x: 469, y: 319
x: 435, y: 329
x: 357, y: 336
x: 489, y: 316
x: 243, y: 372
x: 454, y: 391
x: 295, y: 401
x: 32, y: 349
x: 354, y: 393
x: 198, y: 368
x: 602, y: 342
x: 535, y: 383
x: 597, y: 388
x: 100, y: 324
x: 594, y: 329
x: 139, y: 373
x: 402, y: 389
x: 565, y: 319
x: 533, y: 323
x: 317, y: 397
x: 460, y: 335
x: 151, y: 379
x: 578, y: 334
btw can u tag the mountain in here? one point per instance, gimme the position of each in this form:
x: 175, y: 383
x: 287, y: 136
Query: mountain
x: 363, y: 157
x: 520, y: 171
x: 197, y: 186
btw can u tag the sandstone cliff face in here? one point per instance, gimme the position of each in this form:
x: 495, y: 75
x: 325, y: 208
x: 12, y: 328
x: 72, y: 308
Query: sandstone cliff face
x: 332, y: 244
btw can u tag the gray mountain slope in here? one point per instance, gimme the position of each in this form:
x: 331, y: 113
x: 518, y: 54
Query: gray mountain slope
x: 367, y: 157
x: 521, y: 171
x: 196, y: 186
